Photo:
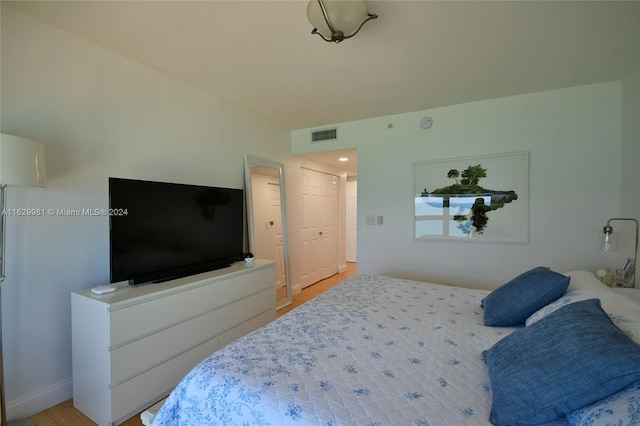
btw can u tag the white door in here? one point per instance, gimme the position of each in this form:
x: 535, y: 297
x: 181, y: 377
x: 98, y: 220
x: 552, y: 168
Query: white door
x: 319, y: 234
x: 309, y: 234
x: 274, y: 196
x: 352, y: 221
x: 328, y: 226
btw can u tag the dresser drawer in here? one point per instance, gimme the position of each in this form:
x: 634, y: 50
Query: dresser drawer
x: 246, y: 328
x: 233, y: 315
x: 132, y: 396
x: 140, y: 355
x: 242, y: 286
x: 161, y: 312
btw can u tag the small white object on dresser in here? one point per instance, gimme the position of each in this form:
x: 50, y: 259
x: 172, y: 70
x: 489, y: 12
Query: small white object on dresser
x: 103, y: 289
x: 131, y: 347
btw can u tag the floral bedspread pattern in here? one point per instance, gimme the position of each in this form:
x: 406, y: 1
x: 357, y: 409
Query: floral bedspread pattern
x: 373, y: 350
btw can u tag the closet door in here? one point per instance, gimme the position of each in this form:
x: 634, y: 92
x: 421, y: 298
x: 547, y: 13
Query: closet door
x: 319, y: 226
x: 352, y: 221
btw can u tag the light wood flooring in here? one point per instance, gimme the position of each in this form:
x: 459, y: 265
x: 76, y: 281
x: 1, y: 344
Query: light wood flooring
x: 313, y: 290
x: 65, y: 415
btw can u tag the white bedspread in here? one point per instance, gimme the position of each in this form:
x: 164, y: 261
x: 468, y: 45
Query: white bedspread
x: 370, y: 351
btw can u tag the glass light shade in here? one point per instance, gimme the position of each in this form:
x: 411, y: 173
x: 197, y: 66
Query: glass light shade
x: 345, y: 16
x: 22, y: 162
x: 608, y: 242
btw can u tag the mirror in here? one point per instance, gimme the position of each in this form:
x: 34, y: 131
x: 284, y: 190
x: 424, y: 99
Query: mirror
x: 267, y: 220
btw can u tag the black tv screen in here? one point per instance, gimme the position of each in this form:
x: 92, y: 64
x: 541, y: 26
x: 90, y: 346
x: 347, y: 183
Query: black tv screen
x: 161, y: 231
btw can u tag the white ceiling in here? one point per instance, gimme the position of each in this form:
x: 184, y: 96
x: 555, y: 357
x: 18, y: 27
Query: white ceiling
x: 260, y: 55
x: 332, y: 158
x: 417, y: 55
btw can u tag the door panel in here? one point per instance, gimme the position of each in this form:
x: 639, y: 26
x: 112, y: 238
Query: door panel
x: 352, y: 220
x: 309, y: 233
x: 276, y: 218
x: 320, y: 226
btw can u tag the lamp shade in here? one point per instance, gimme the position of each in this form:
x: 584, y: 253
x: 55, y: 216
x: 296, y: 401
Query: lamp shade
x: 22, y: 162
x: 343, y: 18
x: 608, y: 240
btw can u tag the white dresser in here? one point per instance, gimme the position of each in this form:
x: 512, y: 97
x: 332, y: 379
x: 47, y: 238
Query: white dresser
x: 131, y: 347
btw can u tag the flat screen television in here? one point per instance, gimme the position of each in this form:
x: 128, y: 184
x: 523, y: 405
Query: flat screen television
x: 161, y: 231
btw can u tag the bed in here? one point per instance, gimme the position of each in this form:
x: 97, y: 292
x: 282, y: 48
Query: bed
x: 377, y: 350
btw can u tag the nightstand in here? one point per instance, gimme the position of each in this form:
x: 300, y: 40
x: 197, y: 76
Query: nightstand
x: 631, y: 293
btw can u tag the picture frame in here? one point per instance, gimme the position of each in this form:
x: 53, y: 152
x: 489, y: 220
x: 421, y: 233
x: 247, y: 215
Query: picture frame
x: 479, y: 198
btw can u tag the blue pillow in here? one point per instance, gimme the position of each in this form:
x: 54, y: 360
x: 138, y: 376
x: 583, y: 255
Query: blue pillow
x: 511, y: 304
x: 573, y: 357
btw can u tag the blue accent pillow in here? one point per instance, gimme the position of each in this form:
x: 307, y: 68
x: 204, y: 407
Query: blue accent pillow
x: 573, y: 357
x: 511, y: 304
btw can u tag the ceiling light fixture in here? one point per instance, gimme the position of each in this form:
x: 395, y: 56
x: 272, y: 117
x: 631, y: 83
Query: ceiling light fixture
x: 343, y: 159
x: 336, y: 20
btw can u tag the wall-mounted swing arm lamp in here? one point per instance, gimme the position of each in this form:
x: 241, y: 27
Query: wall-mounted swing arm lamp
x: 21, y: 164
x: 609, y: 239
x: 336, y: 20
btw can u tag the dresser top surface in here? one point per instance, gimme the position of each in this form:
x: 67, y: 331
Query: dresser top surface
x: 126, y: 292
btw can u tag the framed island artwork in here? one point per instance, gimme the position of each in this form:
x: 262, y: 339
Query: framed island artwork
x: 482, y: 198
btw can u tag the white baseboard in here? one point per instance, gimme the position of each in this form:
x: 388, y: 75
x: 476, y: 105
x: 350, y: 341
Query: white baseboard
x: 39, y: 401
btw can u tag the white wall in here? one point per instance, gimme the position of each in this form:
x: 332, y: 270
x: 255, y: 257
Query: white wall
x: 631, y: 141
x: 99, y: 115
x: 573, y: 137
x: 630, y: 184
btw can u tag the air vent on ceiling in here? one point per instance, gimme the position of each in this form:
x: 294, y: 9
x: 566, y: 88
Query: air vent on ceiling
x: 324, y: 135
